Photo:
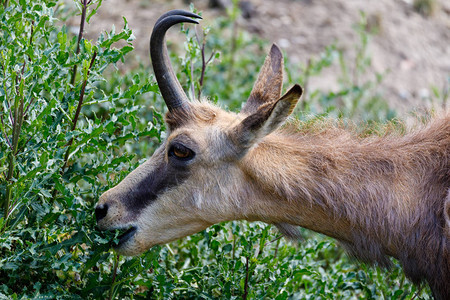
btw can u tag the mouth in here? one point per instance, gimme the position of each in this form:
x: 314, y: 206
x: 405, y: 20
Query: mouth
x: 126, y: 236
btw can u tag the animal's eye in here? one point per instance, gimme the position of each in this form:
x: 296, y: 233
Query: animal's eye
x: 181, y: 152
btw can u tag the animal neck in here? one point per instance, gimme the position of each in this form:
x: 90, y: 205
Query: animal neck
x: 357, y: 191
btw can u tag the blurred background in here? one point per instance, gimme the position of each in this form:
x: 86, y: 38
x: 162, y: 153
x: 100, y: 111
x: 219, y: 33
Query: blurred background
x: 409, y: 41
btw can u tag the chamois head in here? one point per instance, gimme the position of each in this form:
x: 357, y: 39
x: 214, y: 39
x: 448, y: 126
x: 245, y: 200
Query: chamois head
x: 194, y: 179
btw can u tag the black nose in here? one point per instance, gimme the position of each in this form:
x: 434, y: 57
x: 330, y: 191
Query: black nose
x: 101, y: 211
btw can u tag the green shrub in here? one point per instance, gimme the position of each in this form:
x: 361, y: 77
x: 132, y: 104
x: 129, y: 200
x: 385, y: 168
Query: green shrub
x: 71, y: 127
x: 62, y: 138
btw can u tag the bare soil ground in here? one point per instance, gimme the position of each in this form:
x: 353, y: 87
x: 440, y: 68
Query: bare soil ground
x: 412, y: 48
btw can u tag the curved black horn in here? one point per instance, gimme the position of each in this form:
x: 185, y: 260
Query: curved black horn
x: 169, y: 86
x: 178, y: 12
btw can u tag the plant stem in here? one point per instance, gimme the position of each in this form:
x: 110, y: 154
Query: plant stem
x: 77, y: 113
x: 202, y: 76
x: 28, y: 106
x: 204, y: 64
x: 17, y: 120
x: 234, y: 247
x: 262, y: 242
x: 84, y: 3
x: 418, y: 292
x: 11, y: 161
x: 202, y: 44
x: 276, y: 248
x: 247, y: 274
x: 192, y: 80
x: 116, y: 265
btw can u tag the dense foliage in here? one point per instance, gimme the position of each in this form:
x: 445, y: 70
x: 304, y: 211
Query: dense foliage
x: 72, y: 126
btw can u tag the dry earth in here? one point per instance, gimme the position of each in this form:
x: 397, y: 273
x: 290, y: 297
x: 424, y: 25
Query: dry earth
x: 412, y: 48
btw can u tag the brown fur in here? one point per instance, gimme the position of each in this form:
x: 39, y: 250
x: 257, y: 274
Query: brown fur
x: 379, y: 196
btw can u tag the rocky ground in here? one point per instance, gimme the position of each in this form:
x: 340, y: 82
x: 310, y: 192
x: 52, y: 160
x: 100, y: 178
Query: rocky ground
x: 412, y: 48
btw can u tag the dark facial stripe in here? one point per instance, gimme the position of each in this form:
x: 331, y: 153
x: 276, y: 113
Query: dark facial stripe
x: 163, y: 177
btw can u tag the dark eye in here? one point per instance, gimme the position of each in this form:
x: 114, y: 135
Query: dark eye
x: 181, y: 152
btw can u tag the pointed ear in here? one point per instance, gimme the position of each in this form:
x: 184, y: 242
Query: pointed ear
x: 266, y: 119
x: 267, y: 87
